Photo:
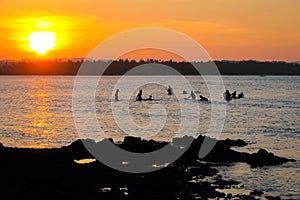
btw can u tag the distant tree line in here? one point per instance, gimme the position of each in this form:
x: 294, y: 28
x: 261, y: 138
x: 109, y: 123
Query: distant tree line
x: 122, y: 66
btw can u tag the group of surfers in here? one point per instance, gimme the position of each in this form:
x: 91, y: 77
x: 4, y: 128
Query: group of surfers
x: 227, y: 95
x: 170, y: 92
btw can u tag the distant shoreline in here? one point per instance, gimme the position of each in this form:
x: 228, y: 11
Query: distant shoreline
x: 121, y: 67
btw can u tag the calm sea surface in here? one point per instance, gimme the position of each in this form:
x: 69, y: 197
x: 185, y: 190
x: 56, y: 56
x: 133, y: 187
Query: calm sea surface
x: 36, y: 111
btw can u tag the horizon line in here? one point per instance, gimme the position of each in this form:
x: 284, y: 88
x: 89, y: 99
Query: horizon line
x: 138, y: 60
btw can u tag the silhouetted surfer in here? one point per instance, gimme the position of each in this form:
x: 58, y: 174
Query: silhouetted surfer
x: 241, y: 95
x: 227, y: 95
x: 233, y: 95
x: 117, y: 95
x: 139, y: 96
x: 149, y: 99
x: 202, y: 98
x: 170, y: 90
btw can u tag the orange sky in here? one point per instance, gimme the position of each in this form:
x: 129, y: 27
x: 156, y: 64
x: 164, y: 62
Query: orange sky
x: 231, y: 29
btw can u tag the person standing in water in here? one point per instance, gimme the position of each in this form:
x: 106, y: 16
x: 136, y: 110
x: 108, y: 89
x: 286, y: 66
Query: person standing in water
x: 139, y: 96
x: 233, y: 95
x: 227, y: 95
x: 117, y: 95
x: 170, y: 90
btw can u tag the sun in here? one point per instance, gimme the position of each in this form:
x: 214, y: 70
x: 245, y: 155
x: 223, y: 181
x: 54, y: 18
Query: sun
x: 42, y: 41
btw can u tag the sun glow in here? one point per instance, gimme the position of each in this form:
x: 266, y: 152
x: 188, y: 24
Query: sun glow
x: 42, y: 41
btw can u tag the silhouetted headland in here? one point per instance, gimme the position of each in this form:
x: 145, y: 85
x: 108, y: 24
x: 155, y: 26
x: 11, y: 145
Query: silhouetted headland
x: 53, y: 174
x: 120, y: 67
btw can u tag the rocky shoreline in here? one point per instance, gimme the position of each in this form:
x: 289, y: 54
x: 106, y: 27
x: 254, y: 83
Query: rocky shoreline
x: 53, y: 173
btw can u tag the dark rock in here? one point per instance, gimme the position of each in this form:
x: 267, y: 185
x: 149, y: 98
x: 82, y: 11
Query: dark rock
x: 79, y: 145
x: 244, y: 197
x: 223, y: 153
x: 53, y: 174
x: 225, y: 184
x: 273, y: 198
x: 130, y: 140
x: 234, y: 143
x: 256, y: 193
x: 264, y: 158
x: 202, y: 169
x: 137, y: 145
x: 185, y: 140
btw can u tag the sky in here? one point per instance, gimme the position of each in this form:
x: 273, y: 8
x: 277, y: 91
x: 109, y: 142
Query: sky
x: 227, y: 29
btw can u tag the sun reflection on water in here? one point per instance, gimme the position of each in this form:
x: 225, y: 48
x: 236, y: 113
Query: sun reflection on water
x: 39, y: 117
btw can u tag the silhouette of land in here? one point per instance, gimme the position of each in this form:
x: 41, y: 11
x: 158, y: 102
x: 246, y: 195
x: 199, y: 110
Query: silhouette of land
x: 53, y: 174
x: 120, y: 67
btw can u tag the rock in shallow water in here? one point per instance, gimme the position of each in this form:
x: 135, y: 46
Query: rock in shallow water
x: 53, y: 174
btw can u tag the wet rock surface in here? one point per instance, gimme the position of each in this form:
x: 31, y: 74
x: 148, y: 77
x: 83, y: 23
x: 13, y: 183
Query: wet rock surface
x: 53, y: 174
x: 256, y: 193
x: 234, y: 143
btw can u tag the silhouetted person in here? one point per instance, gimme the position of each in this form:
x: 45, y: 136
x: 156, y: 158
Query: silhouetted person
x: 202, y: 98
x: 227, y: 95
x: 117, y: 95
x: 170, y: 90
x: 139, y: 96
x: 184, y: 92
x: 192, y: 95
x: 240, y: 95
x: 233, y: 95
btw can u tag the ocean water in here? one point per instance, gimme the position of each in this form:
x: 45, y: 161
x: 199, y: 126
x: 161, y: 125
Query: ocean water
x: 36, y: 111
